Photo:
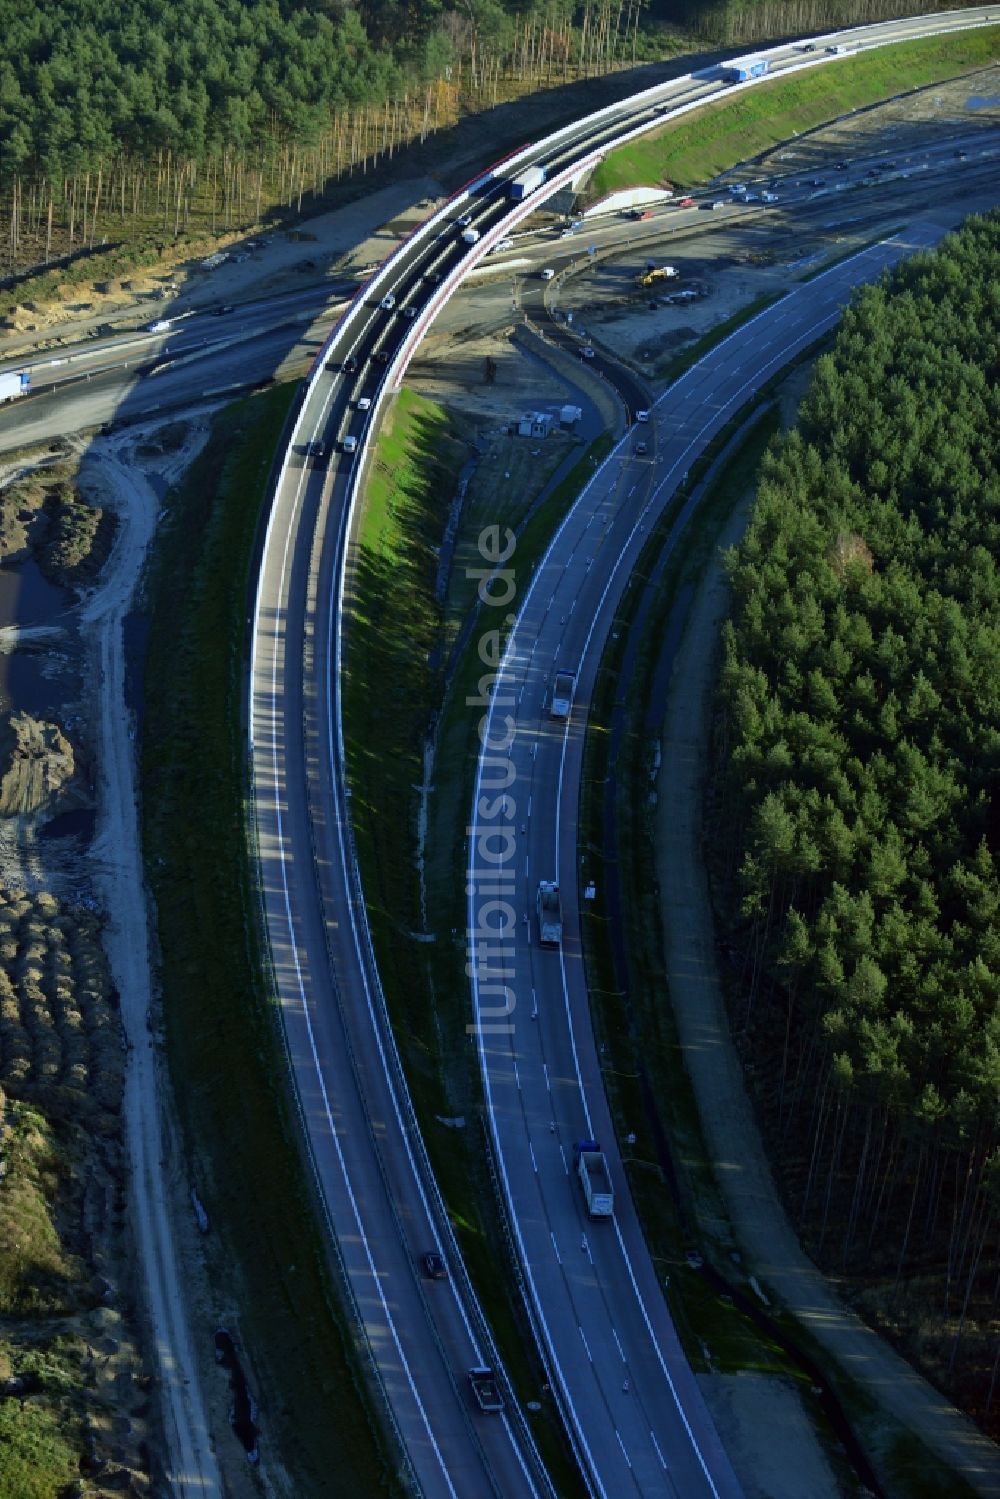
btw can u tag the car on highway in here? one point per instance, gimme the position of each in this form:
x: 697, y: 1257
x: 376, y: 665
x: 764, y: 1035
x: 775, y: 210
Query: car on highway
x: 316, y: 450
x: 364, y: 403
x: 464, y: 221
x: 381, y: 356
x: 642, y: 416
x: 641, y: 447
x: 388, y: 302
x: 586, y: 352
x: 504, y: 244
x: 434, y: 277
x: 221, y: 311
x: 410, y: 312
x: 433, y: 1266
x: 349, y: 444
x: 767, y: 197
x: 718, y: 204
x: 350, y: 365
x: 686, y: 203
x: 161, y: 325
x: 547, y: 274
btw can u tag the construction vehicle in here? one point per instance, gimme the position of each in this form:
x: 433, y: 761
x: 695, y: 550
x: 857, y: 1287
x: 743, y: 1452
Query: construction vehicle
x: 592, y: 1169
x: 654, y: 273
x: 485, y: 1389
x: 549, y: 911
x: 562, y: 694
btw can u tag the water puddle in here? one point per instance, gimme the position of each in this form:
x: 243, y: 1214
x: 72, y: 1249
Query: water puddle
x: 243, y: 1415
x: 76, y: 824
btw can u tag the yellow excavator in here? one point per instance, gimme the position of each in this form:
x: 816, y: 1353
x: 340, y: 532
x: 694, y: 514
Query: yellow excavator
x: 654, y: 273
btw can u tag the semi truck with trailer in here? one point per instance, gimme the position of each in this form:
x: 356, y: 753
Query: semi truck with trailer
x: 562, y: 695
x: 485, y: 1389
x: 549, y: 910
x: 526, y: 183
x: 592, y: 1169
x: 745, y: 69
x: 14, y: 385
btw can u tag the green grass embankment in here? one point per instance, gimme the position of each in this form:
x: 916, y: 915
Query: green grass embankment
x: 266, y: 1254
x: 397, y: 641
x: 710, y: 140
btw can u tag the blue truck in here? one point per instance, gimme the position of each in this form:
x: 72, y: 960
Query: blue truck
x: 745, y: 69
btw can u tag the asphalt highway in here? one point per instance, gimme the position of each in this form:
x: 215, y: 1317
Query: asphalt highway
x: 628, y: 1397
x: 640, y: 1415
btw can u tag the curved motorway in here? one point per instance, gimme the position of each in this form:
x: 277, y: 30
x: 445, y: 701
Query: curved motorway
x: 631, y: 1404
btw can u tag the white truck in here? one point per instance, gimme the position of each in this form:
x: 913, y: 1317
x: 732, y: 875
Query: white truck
x: 14, y: 385
x: 549, y: 910
x: 592, y: 1169
x: 470, y: 235
x: 526, y: 183
x: 563, y: 688
x: 485, y: 1389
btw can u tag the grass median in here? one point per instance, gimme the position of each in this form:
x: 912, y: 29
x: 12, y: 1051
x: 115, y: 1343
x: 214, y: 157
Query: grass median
x: 403, y: 688
x: 266, y: 1254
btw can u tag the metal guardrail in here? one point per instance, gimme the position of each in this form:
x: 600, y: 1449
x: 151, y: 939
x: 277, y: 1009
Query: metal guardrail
x: 393, y: 374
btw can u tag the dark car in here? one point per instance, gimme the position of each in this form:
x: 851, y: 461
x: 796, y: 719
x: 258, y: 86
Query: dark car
x: 221, y: 311
x: 381, y: 356
x: 316, y: 449
x: 434, y: 277
x: 434, y: 1266
x: 350, y: 366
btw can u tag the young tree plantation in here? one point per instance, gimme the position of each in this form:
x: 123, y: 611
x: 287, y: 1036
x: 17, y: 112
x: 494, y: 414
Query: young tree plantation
x: 859, y: 806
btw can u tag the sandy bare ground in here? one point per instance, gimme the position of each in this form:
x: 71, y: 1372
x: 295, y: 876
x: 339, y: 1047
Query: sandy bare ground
x: 117, y: 869
x: 765, y: 1236
x: 751, y: 1408
x: 344, y: 242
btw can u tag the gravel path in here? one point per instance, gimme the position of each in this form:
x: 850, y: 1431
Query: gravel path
x: 117, y: 865
x: 761, y: 1227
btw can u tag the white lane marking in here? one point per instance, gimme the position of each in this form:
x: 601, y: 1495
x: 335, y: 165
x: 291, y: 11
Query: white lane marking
x: 555, y: 1246
x: 275, y: 793
x: 583, y: 1338
x: 545, y: 1065
x: 618, y: 1342
x: 622, y: 1446
x: 534, y: 1163
x: 663, y: 1461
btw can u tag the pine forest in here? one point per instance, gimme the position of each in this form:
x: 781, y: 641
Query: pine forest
x: 857, y: 808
